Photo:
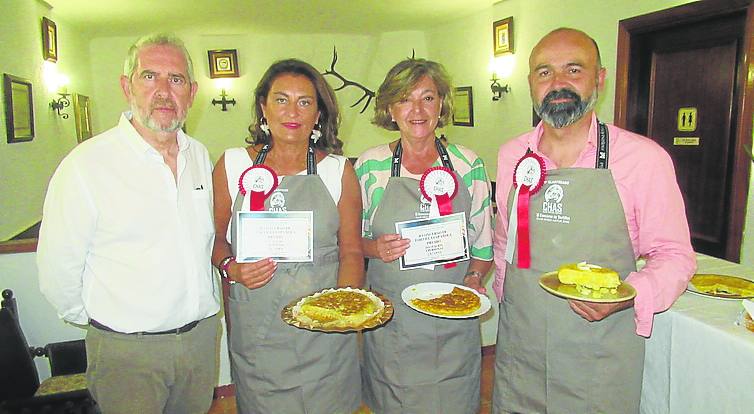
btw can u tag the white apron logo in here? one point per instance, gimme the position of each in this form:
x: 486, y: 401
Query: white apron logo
x: 277, y: 202
x: 552, y: 208
x: 553, y: 196
x: 424, y: 206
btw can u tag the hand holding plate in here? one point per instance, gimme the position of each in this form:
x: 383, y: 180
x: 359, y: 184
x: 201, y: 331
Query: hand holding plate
x: 474, y: 281
x: 593, y: 311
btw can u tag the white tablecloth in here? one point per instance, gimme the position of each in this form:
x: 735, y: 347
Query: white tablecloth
x: 697, y: 359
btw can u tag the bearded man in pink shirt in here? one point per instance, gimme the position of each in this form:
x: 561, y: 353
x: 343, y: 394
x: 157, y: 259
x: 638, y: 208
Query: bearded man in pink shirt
x: 584, y: 191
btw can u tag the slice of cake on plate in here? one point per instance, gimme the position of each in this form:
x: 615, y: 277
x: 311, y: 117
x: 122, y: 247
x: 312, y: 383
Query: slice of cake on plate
x: 590, y: 280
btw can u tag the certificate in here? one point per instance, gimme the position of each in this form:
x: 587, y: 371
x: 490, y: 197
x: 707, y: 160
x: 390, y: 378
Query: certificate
x: 284, y: 236
x: 434, y: 241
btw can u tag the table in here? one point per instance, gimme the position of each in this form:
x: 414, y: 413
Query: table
x: 697, y: 359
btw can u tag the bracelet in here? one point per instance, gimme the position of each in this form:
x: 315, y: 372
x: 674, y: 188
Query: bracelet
x: 473, y: 273
x: 223, y: 268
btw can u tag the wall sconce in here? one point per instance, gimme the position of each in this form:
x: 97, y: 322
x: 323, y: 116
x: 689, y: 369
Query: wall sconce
x: 224, y: 100
x: 57, y: 84
x: 62, y: 102
x: 498, y: 89
x: 501, y: 67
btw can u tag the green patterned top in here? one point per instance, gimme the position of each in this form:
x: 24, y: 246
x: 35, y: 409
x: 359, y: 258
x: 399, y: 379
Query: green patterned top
x: 373, y: 172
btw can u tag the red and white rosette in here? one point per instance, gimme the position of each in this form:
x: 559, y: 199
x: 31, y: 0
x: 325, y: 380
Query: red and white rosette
x: 439, y: 185
x: 528, y: 178
x: 258, y: 181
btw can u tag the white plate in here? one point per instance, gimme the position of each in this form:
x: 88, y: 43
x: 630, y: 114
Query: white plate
x: 723, y: 279
x: 430, y: 290
x: 692, y: 289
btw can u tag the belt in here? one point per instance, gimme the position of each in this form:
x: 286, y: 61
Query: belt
x: 177, y: 331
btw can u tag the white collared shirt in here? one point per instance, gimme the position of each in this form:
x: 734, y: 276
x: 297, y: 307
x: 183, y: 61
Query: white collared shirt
x: 121, y: 242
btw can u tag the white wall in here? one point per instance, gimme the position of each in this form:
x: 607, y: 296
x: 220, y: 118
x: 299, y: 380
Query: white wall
x: 25, y: 167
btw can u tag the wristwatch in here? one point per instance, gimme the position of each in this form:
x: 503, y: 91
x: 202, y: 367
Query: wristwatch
x: 223, y: 268
x: 473, y: 273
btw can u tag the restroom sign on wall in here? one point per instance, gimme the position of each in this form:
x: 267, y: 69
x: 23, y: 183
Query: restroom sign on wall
x: 687, y: 119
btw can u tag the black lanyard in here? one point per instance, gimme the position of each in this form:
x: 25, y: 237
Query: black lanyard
x: 603, y: 147
x: 398, y: 154
x: 311, y: 163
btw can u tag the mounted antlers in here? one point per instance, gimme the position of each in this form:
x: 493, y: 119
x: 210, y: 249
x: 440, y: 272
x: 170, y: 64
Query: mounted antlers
x: 368, y: 94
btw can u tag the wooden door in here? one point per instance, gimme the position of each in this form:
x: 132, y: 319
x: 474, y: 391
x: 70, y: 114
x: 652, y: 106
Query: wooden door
x: 684, y: 80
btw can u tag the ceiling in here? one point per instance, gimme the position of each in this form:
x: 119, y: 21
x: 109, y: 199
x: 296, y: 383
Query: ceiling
x: 127, y: 17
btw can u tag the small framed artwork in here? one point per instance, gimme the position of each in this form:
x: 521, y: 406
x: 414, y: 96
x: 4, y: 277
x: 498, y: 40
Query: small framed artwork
x: 502, y: 36
x: 223, y: 63
x: 83, y: 116
x: 19, y: 109
x: 463, y: 107
x: 49, y: 40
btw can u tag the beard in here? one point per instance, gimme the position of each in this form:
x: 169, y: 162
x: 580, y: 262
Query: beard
x: 560, y: 115
x: 145, y: 118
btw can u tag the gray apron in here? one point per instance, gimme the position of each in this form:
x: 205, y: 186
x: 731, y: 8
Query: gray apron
x: 549, y: 359
x: 278, y: 368
x: 418, y: 363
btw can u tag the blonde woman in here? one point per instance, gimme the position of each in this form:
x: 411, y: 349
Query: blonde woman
x: 419, y: 363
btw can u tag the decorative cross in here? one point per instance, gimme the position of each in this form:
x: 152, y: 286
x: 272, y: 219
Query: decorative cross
x: 224, y: 102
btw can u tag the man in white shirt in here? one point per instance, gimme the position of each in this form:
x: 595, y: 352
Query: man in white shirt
x: 126, y: 240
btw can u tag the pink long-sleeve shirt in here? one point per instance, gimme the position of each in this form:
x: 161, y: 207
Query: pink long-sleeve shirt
x: 653, y: 205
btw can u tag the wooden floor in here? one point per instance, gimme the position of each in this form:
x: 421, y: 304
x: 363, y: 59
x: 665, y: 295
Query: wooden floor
x: 228, y: 405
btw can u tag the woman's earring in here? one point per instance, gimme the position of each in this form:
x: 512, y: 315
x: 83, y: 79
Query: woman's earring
x: 316, y: 133
x: 264, y: 127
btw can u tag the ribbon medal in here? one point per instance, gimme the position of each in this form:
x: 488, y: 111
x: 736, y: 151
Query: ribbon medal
x: 528, y: 178
x: 259, y: 181
x: 439, y: 185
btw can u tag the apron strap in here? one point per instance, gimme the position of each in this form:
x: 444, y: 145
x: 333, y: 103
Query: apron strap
x: 603, y: 147
x: 262, y: 154
x: 311, y: 160
x: 395, y: 169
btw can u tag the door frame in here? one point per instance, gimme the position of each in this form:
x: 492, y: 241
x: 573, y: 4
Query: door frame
x: 684, y: 14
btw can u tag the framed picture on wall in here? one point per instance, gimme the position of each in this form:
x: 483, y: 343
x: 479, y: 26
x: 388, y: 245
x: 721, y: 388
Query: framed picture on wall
x: 463, y: 107
x: 49, y: 40
x: 83, y: 117
x: 502, y: 36
x: 19, y: 109
x: 223, y: 63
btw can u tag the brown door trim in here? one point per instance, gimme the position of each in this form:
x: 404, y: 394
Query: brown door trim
x: 744, y: 97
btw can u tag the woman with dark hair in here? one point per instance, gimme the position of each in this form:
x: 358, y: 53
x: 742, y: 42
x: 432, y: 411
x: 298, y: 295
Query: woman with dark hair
x: 418, y: 363
x: 278, y: 368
